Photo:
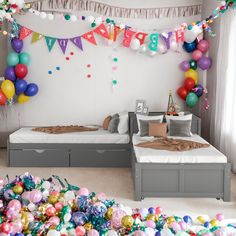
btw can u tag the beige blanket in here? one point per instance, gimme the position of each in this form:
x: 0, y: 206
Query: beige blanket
x: 170, y: 144
x: 63, y: 129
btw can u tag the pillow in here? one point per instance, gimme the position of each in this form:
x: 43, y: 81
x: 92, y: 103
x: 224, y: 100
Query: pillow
x: 157, y: 129
x: 106, y: 122
x: 123, y: 126
x: 142, y: 117
x: 181, y: 128
x: 144, y: 126
x: 113, y: 125
x: 186, y: 117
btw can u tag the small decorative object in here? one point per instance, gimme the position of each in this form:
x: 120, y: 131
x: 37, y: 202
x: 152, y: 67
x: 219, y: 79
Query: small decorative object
x: 140, y: 105
x: 145, y: 111
x: 171, y: 111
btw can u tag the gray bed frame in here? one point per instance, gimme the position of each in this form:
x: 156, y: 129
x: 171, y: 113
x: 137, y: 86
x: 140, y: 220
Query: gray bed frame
x: 206, y: 180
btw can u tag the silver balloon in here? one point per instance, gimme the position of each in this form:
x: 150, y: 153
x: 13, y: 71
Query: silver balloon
x: 135, y: 44
x: 143, y: 48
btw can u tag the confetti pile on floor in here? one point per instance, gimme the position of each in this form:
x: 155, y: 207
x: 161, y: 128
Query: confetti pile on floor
x: 34, y: 206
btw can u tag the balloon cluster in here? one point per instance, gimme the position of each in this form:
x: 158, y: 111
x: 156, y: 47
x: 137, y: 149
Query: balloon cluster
x: 15, y: 73
x: 33, y: 206
x: 192, y: 90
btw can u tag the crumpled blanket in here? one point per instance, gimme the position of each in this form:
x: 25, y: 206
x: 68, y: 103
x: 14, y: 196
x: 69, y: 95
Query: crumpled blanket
x: 171, y: 144
x: 63, y: 129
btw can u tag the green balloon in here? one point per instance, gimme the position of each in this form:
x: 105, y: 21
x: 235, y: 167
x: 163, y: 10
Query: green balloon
x: 193, y: 64
x: 12, y: 59
x: 191, y: 99
x: 24, y: 58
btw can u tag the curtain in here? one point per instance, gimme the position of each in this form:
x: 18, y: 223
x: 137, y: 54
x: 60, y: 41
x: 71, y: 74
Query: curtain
x: 223, y: 121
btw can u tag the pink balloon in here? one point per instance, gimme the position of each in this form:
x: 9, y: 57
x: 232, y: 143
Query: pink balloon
x: 220, y: 217
x: 116, y: 218
x: 93, y: 232
x: 183, y: 225
x: 150, y: 224
x: 83, y: 192
x: 58, y: 206
x: 30, y: 217
x: 54, y: 220
x: 35, y: 196
x: 159, y: 210
x: 175, y: 226
x: 80, y: 231
x: 12, y: 214
x: 16, y: 227
x: 37, y: 180
x: 203, y: 46
x: 139, y: 233
x: 26, y: 195
x: 196, y: 55
x: 14, y: 205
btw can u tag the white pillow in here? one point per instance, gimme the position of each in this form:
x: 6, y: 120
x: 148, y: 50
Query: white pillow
x: 123, y: 126
x: 142, y: 117
x: 185, y: 117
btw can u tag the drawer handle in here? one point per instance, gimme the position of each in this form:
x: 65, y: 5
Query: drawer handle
x: 40, y: 151
x: 100, y: 151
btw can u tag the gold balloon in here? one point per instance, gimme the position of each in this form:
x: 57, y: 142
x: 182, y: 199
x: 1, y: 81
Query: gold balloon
x: 109, y: 213
x: 42, y: 208
x: 214, y: 223
x: 127, y: 221
x: 18, y: 189
x: 88, y: 226
x: 24, y: 220
x: 201, y: 219
x: 192, y: 74
x: 170, y: 220
x: 8, y: 88
x: 23, y: 98
x: 151, y: 217
x: 53, y: 199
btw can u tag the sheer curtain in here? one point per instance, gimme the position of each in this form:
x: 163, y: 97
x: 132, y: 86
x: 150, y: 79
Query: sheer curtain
x: 223, y: 122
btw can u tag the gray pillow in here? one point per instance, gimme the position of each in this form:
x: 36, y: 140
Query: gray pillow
x: 180, y: 128
x: 113, y: 125
x: 144, y: 126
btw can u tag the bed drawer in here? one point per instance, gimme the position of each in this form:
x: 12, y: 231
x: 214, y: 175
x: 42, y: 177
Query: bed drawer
x: 39, y: 158
x: 100, y: 158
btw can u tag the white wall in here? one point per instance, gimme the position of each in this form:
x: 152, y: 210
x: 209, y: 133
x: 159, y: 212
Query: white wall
x: 68, y: 97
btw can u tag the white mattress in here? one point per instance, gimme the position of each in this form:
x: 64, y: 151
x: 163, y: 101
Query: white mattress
x: 201, y: 155
x: 26, y: 135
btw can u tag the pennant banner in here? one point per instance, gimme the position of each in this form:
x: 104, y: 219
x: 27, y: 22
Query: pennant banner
x: 36, y: 37
x: 102, y: 30
x: 78, y: 42
x: 63, y: 44
x: 24, y: 32
x: 50, y: 42
x: 89, y: 37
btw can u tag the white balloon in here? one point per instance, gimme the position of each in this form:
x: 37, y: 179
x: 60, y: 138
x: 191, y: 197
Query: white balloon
x: 67, y: 217
x: 143, y: 48
x: 197, y: 30
x: 112, y: 233
x: 43, y: 15
x: 53, y: 232
x: 12, y: 1
x: 69, y: 195
x: 128, y: 210
x: 73, y: 18
x: 45, y: 193
x: 150, y: 232
x: 162, y: 47
x: 90, y: 19
x: 135, y: 44
x: 31, y: 206
x: 98, y: 20
x: 173, y: 44
x: 166, y: 232
x: 189, y: 35
x: 50, y: 16
x: 46, y: 185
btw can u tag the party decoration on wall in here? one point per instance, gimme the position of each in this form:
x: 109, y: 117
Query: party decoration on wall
x: 14, y: 85
x: 54, y: 207
x: 114, y: 67
x: 88, y: 67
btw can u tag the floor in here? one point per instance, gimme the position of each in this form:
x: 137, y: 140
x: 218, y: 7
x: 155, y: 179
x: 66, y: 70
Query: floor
x: 118, y: 185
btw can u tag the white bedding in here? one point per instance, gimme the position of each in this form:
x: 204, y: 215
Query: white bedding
x: 201, y: 155
x: 26, y: 135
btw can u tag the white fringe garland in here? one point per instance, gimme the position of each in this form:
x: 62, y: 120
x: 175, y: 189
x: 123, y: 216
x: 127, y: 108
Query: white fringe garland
x: 120, y: 12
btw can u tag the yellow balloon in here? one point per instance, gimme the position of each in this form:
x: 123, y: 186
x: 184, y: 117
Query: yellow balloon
x: 127, y: 221
x: 151, y: 217
x: 18, y: 189
x: 24, y: 220
x: 109, y: 213
x: 201, y: 219
x: 88, y: 226
x: 22, y: 98
x: 8, y: 88
x: 192, y: 74
x: 214, y: 223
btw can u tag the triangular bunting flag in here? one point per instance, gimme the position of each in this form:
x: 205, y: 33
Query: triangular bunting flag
x: 102, y: 30
x: 24, y: 32
x: 63, y: 44
x: 89, y: 37
x: 78, y: 42
x: 50, y: 42
x: 36, y: 37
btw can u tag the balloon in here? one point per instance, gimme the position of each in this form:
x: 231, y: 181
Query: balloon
x: 159, y: 210
x: 189, y: 84
x: 3, y: 98
x: 143, y: 48
x: 53, y: 232
x: 196, y: 55
x: 14, y: 205
x: 139, y: 233
x: 10, y: 73
x: 220, y: 217
x: 20, y: 86
x: 8, y: 88
x: 50, y: 211
x: 24, y: 58
x: 184, y: 66
x: 79, y: 218
x: 35, y: 196
x: 17, y: 45
x: 93, y: 232
x: 12, y: 59
x: 162, y: 47
x: 117, y: 217
x: 22, y: 98
x: 198, y: 90
x: 127, y: 221
x: 112, y: 233
x: 190, y: 47
x: 21, y: 71
x: 182, y: 92
x: 32, y: 90
x: 173, y: 44
x: 83, y: 192
x: 80, y: 231
x: 143, y: 212
x: 191, y: 34
x: 193, y: 64
x: 5, y: 227
x: 192, y: 74
x: 203, y: 46
x: 150, y: 224
x: 191, y: 99
x: 205, y: 63
x: 16, y: 227
x: 135, y: 44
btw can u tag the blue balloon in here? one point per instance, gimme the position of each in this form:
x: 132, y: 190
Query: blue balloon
x: 190, y: 47
x: 187, y: 219
x: 198, y: 90
x: 10, y: 73
x: 20, y: 86
x: 32, y: 89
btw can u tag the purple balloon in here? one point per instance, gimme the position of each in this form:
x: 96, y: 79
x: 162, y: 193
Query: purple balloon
x: 184, y: 66
x: 79, y: 218
x: 10, y: 73
x: 32, y: 89
x: 17, y: 45
x: 198, y: 90
x: 205, y: 63
x: 20, y: 86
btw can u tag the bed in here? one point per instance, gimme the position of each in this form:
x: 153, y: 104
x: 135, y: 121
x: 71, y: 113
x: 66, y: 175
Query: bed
x: 196, y: 173
x: 27, y: 148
